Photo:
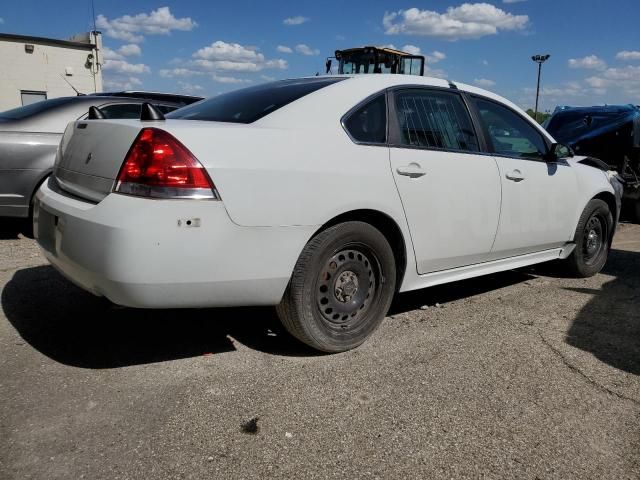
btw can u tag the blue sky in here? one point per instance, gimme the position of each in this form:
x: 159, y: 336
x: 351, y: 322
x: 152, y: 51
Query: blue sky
x: 208, y: 48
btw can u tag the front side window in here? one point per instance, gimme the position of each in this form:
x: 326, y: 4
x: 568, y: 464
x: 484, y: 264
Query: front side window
x: 369, y: 122
x: 434, y: 119
x: 510, y: 134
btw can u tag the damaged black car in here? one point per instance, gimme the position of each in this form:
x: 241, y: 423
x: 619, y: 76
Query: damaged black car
x: 610, y: 133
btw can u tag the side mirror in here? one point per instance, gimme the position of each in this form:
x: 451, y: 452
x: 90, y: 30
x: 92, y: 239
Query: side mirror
x: 558, y: 151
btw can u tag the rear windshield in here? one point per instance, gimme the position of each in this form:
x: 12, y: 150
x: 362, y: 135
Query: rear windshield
x: 250, y: 104
x: 34, y: 108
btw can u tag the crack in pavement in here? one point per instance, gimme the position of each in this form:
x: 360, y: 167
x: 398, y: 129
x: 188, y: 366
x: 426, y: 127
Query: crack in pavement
x: 590, y: 380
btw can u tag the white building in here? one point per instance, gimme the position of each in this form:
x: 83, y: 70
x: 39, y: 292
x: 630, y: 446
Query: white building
x: 35, y: 68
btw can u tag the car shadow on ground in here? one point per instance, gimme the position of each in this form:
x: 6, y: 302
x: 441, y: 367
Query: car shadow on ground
x: 608, y: 326
x: 11, y: 228
x: 76, y: 328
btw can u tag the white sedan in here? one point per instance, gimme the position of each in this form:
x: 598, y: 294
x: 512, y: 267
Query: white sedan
x: 323, y: 196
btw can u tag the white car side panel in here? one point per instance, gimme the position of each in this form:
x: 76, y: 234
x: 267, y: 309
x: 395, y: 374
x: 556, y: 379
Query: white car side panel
x: 590, y: 182
x: 538, y: 211
x: 453, y: 209
x: 294, y: 176
x: 134, y: 252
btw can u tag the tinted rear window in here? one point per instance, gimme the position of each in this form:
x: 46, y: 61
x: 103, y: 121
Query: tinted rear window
x: 250, y: 104
x: 34, y: 108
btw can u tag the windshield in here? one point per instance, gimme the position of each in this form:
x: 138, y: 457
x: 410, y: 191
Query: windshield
x: 380, y: 62
x: 250, y: 104
x: 34, y: 108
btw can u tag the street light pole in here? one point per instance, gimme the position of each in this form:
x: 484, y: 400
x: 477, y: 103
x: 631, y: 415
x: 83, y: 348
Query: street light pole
x: 539, y: 59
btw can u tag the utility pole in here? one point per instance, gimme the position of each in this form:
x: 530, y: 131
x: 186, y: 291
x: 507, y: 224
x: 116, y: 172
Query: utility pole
x: 539, y: 59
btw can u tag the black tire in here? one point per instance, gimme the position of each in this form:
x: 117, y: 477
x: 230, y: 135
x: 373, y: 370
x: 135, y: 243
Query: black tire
x: 341, y: 287
x: 636, y: 210
x: 592, y: 239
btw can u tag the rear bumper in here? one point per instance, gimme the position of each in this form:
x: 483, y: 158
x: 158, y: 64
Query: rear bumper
x: 141, y: 253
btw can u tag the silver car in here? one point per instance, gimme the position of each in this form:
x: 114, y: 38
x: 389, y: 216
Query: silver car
x: 29, y: 137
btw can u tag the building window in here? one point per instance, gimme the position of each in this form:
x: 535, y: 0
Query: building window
x: 29, y: 97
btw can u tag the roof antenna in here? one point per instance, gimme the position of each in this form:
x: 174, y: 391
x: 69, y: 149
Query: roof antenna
x: 95, y: 39
x: 78, y: 93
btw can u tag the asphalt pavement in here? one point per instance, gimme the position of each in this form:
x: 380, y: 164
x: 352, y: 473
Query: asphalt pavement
x: 523, y: 374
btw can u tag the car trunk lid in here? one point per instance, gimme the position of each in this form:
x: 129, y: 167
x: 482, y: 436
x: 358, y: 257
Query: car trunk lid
x: 90, y: 156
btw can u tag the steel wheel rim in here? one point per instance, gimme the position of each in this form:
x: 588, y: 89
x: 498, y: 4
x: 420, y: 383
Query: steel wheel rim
x: 594, y: 238
x: 346, y: 286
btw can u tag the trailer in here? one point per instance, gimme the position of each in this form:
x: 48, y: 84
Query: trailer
x: 363, y: 60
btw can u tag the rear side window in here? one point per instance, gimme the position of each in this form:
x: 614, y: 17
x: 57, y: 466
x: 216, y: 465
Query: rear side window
x: 368, y: 123
x: 250, y: 104
x: 129, y: 110
x: 434, y: 119
x: 510, y: 134
x: 121, y: 110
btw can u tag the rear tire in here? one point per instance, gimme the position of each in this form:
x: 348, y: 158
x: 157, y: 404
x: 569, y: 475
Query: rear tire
x: 341, y: 287
x: 592, y: 239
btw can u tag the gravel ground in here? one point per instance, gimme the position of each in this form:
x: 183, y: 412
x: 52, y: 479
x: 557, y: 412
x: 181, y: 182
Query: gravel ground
x: 518, y: 375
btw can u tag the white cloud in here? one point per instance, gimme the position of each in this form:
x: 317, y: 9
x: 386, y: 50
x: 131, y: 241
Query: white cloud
x: 306, y: 49
x: 133, y: 28
x: 297, y: 20
x: 468, y: 21
x: 1, y: 20
x: 267, y: 78
x: 590, y: 62
x: 225, y: 79
x: 434, y: 57
x: 234, y: 57
x: 485, y: 63
x: 130, y: 50
x: 412, y: 49
x: 122, y: 83
x: 624, y: 80
x: 284, y: 49
x: 235, y: 52
x: 178, y: 72
x: 627, y: 55
x: 484, y: 82
x: 122, y: 66
x: 108, y: 54
x: 190, y: 88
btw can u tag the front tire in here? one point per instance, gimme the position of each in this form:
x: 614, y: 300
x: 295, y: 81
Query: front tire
x: 341, y: 287
x: 592, y: 239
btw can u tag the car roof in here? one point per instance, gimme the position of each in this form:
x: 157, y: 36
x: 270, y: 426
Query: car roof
x: 55, y: 119
x: 360, y: 87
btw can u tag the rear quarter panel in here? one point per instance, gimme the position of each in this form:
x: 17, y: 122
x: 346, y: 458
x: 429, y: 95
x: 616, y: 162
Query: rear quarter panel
x: 275, y: 176
x: 25, y: 160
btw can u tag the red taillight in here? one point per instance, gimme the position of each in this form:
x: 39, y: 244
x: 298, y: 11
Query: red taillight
x: 159, y: 166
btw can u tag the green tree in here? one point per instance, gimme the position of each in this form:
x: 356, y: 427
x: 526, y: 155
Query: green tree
x: 540, y: 118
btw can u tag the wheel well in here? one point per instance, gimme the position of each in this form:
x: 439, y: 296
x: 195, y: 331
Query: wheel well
x: 37, y: 187
x: 387, y: 226
x: 610, y: 200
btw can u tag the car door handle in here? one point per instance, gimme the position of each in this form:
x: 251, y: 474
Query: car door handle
x: 413, y: 170
x: 515, y: 175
